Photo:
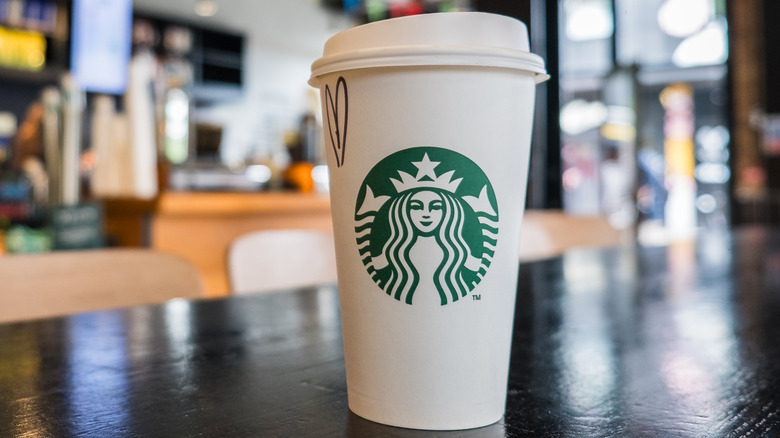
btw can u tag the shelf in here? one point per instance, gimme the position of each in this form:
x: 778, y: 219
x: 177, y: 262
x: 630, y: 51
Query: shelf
x: 49, y: 75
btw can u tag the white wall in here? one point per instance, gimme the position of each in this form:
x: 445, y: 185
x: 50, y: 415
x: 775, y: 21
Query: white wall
x: 275, y: 96
x: 283, y: 38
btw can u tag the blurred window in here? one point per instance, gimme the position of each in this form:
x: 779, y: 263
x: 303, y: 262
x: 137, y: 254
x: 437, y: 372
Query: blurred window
x: 623, y: 142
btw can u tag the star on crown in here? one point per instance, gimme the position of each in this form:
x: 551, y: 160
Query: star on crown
x: 426, y: 177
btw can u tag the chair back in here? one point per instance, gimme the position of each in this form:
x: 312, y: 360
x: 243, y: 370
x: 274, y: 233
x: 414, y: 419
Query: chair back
x: 268, y: 260
x: 549, y: 233
x: 61, y: 283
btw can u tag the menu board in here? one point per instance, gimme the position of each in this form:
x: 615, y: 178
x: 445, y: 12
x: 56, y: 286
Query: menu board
x: 100, y: 44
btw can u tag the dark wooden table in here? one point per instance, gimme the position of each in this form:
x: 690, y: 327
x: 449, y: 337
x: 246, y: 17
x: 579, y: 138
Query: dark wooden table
x: 657, y: 342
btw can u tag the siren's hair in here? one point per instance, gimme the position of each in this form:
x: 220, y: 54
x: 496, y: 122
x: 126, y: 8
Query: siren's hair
x: 450, y: 236
x: 403, y: 275
x: 404, y: 278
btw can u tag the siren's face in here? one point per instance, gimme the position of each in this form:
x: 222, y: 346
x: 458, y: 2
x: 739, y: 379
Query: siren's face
x: 425, y: 211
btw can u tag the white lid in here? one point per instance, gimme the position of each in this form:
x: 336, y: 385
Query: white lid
x: 448, y: 38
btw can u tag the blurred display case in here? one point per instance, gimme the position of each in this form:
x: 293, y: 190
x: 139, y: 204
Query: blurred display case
x: 208, y: 60
x: 35, y: 51
x: 35, y: 35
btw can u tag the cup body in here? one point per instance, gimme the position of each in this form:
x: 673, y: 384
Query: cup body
x: 428, y: 169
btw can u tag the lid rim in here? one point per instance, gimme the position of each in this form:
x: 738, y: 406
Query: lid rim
x: 411, y: 56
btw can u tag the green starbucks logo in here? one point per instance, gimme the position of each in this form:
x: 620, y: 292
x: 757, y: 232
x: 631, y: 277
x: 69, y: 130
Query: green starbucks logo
x: 431, y: 198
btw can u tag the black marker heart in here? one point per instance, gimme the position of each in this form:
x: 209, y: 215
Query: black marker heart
x: 335, y: 112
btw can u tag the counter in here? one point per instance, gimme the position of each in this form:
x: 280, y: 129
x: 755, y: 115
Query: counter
x: 200, y: 226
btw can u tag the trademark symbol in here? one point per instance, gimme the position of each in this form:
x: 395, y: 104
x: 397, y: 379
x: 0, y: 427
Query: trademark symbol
x: 476, y: 297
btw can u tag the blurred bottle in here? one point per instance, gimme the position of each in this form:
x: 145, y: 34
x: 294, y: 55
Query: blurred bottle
x: 72, y: 112
x: 7, y: 131
x: 304, y: 153
x: 24, y: 182
x: 52, y: 150
x: 106, y: 176
x: 177, y: 126
x: 16, y: 198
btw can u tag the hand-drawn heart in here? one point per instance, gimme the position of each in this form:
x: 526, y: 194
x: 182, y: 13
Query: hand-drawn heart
x: 336, y: 111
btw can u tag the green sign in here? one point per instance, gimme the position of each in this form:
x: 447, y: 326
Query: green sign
x: 77, y: 227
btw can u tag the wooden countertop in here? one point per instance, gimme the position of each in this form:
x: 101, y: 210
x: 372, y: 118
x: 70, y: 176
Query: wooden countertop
x: 239, y: 203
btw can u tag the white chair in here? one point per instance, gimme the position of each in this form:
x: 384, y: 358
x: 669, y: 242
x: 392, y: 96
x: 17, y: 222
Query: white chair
x: 67, y: 282
x: 269, y: 260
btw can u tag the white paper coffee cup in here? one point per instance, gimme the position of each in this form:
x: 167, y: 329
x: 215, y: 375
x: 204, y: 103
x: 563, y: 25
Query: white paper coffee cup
x: 427, y: 123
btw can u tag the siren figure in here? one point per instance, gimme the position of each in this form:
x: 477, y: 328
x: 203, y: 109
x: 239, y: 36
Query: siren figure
x: 426, y: 206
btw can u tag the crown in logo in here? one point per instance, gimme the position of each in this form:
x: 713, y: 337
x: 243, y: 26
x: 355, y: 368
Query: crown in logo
x: 426, y: 177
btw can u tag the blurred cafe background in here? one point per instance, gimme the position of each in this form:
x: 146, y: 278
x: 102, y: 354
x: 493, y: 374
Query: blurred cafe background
x: 180, y: 124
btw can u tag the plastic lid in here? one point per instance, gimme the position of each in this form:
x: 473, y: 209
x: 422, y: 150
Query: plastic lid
x: 448, y: 38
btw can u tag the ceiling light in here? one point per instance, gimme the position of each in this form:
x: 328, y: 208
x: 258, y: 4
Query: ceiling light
x: 206, y: 8
x: 579, y: 116
x: 588, y: 20
x: 707, y: 47
x: 680, y: 18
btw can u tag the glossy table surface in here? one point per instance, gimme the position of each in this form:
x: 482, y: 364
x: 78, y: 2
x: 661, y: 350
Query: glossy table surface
x: 681, y: 340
